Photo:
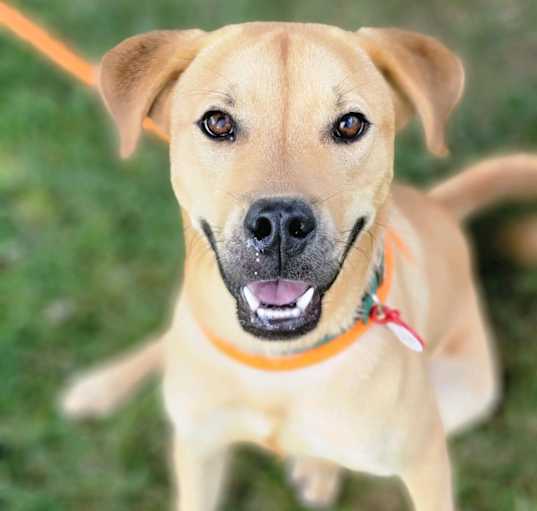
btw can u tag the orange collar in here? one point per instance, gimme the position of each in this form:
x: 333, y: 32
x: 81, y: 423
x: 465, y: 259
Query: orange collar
x: 324, y: 351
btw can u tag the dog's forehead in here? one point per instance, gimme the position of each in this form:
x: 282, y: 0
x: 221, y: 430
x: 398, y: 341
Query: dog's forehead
x: 264, y: 61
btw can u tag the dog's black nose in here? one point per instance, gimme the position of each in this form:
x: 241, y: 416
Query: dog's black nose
x: 283, y: 226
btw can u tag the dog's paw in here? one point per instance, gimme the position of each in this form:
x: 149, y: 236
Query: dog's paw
x: 90, y: 396
x: 317, y: 482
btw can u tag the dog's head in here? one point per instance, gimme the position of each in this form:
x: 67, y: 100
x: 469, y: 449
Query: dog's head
x: 282, y: 145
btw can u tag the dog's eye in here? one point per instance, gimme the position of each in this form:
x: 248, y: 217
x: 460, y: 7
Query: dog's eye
x: 218, y: 125
x: 350, y: 127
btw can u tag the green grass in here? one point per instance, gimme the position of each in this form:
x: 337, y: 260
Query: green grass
x: 90, y: 254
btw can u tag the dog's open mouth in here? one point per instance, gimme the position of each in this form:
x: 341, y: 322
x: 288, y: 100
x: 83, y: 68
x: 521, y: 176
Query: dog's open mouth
x: 280, y: 308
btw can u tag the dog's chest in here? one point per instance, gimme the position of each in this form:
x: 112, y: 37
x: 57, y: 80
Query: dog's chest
x: 298, y: 414
x: 342, y: 425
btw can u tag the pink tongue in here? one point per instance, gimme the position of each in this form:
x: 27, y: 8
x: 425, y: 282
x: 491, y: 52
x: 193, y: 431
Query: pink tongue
x: 278, y: 292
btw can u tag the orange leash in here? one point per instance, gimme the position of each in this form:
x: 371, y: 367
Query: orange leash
x: 58, y: 53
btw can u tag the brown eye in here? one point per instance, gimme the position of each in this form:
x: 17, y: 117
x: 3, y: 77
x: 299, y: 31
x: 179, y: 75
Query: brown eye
x: 350, y: 127
x: 218, y: 125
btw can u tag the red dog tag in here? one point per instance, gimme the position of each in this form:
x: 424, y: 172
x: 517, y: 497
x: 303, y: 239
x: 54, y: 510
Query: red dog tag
x: 391, y: 318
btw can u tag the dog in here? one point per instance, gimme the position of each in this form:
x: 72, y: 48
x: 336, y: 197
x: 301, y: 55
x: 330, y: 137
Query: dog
x: 305, y: 265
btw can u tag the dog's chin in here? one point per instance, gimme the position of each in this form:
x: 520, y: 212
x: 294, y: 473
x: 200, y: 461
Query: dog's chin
x: 283, y: 319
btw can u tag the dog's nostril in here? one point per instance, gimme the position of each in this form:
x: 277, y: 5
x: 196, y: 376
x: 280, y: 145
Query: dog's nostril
x: 280, y: 226
x: 299, y: 228
x: 262, y: 228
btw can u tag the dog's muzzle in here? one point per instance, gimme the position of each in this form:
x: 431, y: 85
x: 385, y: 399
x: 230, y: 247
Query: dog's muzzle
x: 279, y: 231
x: 278, y: 265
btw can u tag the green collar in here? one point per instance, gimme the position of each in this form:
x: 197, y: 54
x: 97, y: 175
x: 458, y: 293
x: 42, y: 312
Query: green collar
x: 366, y: 304
x: 368, y: 297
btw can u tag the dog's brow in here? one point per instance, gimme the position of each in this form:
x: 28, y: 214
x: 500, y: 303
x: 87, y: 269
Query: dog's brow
x: 341, y: 89
x: 228, y: 99
x: 344, y: 98
x: 341, y: 98
x: 341, y: 94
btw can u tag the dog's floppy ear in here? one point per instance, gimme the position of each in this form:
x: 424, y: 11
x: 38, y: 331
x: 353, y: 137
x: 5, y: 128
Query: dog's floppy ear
x: 425, y: 76
x: 137, y: 76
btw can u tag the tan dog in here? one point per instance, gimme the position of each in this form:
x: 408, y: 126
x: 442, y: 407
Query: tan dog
x: 282, y: 149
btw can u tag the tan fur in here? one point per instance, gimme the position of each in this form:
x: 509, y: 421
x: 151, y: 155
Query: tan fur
x: 489, y: 182
x: 377, y: 407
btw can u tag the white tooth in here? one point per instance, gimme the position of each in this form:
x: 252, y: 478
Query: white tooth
x: 253, y: 302
x: 305, y: 299
x: 296, y: 312
x: 265, y: 313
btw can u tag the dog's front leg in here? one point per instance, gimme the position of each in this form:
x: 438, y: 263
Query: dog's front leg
x: 201, y: 452
x: 200, y: 478
x: 316, y: 481
x: 428, y: 477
